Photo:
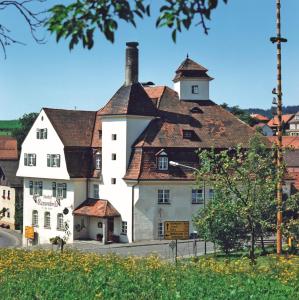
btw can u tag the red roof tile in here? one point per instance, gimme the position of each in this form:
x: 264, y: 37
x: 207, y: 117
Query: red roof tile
x: 259, y: 117
x: 287, y: 141
x: 285, y: 118
x: 8, y: 148
x: 96, y: 208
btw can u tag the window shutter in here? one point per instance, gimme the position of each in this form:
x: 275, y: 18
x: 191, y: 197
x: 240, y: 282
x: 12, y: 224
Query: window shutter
x: 54, y: 189
x: 25, y: 159
x: 40, y: 188
x: 48, y: 160
x: 45, y: 133
x: 38, y: 134
x: 30, y: 187
x: 64, y: 190
x: 58, y: 160
x: 34, y: 159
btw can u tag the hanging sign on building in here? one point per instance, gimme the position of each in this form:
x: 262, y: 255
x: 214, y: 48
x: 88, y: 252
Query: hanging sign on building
x: 176, y: 230
x: 29, y: 232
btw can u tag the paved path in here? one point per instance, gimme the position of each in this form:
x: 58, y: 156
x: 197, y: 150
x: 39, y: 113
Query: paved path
x: 160, y: 248
x: 9, y: 238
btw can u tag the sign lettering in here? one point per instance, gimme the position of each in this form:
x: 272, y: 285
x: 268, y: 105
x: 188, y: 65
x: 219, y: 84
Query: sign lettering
x: 176, y: 230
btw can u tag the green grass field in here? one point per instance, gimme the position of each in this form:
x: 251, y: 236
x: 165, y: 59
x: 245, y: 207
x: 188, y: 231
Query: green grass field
x: 74, y: 275
x: 6, y: 126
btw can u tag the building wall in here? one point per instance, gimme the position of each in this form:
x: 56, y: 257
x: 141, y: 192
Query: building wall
x: 42, y: 147
x: 8, y: 203
x: 148, y: 213
x: 47, y: 203
x: 184, y: 89
x: 127, y: 129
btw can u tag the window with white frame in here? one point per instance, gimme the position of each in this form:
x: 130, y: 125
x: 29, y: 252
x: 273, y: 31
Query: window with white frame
x: 3, y: 194
x: 8, y: 213
x: 34, y: 218
x: 160, y: 230
x: 47, y: 220
x: 163, y: 196
x: 36, y: 188
x: 59, y: 190
x: 114, y: 137
x: 29, y: 159
x: 292, y: 126
x: 194, y: 89
x: 197, y: 196
x: 124, y: 227
x: 96, y: 191
x: 8, y: 195
x: 60, y: 221
x: 163, y: 162
x: 41, y: 133
x: 211, y: 193
x: 98, y: 161
x: 113, y: 180
x: 113, y: 156
x: 53, y: 160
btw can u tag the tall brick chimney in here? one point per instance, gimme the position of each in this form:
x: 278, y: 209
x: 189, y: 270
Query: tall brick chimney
x: 131, y: 63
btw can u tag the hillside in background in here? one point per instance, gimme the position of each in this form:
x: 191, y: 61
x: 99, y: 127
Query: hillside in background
x: 268, y: 112
x: 7, y: 126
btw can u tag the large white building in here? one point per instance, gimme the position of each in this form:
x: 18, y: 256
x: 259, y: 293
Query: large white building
x: 107, y: 173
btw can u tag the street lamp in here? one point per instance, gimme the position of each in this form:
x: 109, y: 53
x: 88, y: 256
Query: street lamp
x: 176, y: 164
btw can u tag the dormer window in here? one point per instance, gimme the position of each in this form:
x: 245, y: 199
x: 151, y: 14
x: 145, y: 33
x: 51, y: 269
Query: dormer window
x: 195, y: 110
x: 188, y: 134
x: 162, y: 160
x: 194, y: 89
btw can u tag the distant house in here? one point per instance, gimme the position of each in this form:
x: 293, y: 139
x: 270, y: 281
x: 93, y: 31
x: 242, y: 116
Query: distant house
x: 273, y: 123
x: 264, y: 128
x: 260, y: 118
x: 294, y: 126
x: 287, y: 141
x: 11, y: 187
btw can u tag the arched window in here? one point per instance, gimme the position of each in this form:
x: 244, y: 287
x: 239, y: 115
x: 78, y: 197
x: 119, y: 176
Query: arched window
x: 34, y: 218
x: 59, y: 221
x: 47, y: 220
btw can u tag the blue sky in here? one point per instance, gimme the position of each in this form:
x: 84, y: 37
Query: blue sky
x: 237, y: 53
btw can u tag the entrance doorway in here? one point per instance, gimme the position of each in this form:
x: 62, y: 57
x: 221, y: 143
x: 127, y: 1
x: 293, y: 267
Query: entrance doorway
x: 110, y: 229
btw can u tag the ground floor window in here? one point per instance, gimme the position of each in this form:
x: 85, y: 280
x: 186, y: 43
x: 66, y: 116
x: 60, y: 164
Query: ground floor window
x: 36, y: 188
x: 160, y: 230
x: 96, y: 191
x: 47, y: 220
x: 197, y: 196
x: 59, y: 221
x: 124, y: 227
x: 34, y: 218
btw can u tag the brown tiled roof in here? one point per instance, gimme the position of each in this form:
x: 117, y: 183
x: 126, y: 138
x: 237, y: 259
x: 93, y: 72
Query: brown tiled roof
x: 74, y: 127
x: 130, y: 100
x: 96, y: 208
x: 287, y: 141
x: 79, y: 162
x: 143, y: 165
x: 259, y: 117
x: 8, y: 148
x: 213, y: 126
x: 285, y: 118
x: 8, y: 170
x: 190, y: 68
x: 190, y: 65
x: 292, y: 158
x: 97, y: 132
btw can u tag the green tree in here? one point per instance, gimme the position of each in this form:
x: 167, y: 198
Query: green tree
x: 80, y: 20
x: 246, y: 180
x: 26, y: 122
x: 220, y: 223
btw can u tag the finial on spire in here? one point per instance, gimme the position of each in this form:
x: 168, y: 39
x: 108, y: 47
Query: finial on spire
x: 187, y: 55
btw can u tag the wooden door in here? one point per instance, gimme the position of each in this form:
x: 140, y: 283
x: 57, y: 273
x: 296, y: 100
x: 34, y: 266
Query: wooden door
x: 110, y: 229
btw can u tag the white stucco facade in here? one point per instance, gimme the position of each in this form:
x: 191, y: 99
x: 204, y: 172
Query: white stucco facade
x: 184, y: 89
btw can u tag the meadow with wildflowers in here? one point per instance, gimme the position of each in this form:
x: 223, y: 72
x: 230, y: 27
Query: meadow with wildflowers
x: 75, y: 275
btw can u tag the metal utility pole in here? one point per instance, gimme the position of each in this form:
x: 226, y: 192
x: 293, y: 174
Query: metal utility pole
x: 278, y: 40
